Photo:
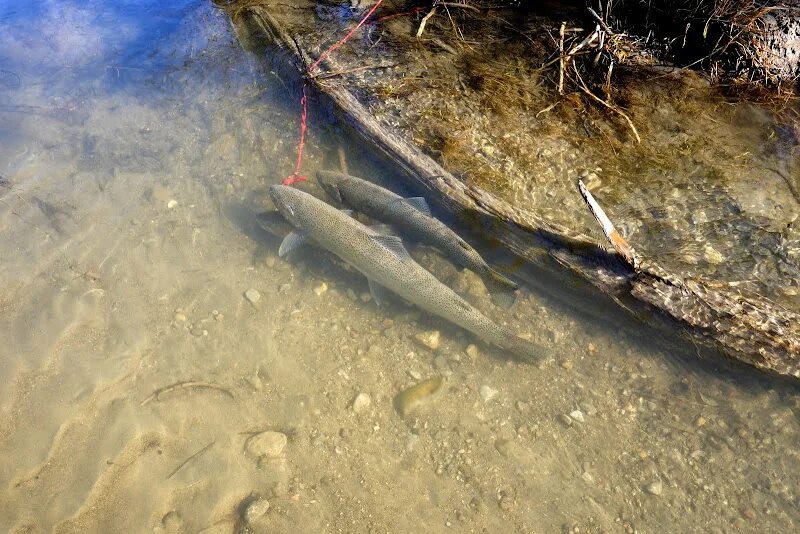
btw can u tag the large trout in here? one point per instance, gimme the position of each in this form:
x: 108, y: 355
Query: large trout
x: 386, y: 264
x: 413, y: 219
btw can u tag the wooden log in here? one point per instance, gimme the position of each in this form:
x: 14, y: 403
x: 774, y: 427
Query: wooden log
x: 749, y: 328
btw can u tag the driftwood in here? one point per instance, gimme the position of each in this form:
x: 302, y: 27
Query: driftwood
x: 749, y: 328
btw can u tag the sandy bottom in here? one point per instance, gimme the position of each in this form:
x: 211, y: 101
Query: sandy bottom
x: 142, y: 391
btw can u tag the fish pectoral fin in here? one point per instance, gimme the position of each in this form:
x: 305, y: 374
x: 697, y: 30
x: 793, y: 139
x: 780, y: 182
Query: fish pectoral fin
x: 291, y: 242
x: 394, y: 244
x: 420, y: 204
x: 377, y: 291
x: 383, y: 229
x: 347, y: 212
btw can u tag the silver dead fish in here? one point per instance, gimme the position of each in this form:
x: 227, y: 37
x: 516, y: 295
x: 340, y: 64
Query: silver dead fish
x: 386, y: 264
x: 412, y: 218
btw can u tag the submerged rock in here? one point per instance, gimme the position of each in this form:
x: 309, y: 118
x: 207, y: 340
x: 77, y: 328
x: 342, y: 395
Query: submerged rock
x: 577, y: 415
x: 361, y: 402
x: 269, y: 444
x: 488, y: 393
x: 320, y: 289
x: 430, y: 339
x: 655, y: 488
x: 252, y: 295
x: 256, y: 510
x: 409, y: 399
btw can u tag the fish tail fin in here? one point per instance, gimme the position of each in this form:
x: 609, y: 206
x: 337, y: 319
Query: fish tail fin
x: 524, y: 350
x: 501, y: 289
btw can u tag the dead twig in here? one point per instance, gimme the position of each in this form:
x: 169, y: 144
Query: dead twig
x: 156, y: 395
x: 612, y: 107
x: 460, y: 5
x: 326, y: 75
x: 444, y: 46
x: 562, y: 61
x: 622, y: 247
x: 189, y: 459
x: 424, y: 21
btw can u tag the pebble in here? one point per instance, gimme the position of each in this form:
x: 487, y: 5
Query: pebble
x: 488, y: 393
x: 712, y: 255
x: 269, y: 444
x: 656, y: 487
x: 255, y: 382
x: 361, y: 402
x: 749, y: 513
x: 255, y: 510
x: 472, y: 351
x: 565, y: 419
x: 430, y: 339
x: 172, y: 203
x: 566, y: 364
x: 587, y: 408
x: 577, y: 415
x: 504, y: 447
x: 252, y: 295
x: 320, y: 289
x: 700, y: 422
x: 181, y: 318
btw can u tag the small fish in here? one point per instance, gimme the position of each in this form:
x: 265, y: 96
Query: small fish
x: 412, y: 217
x: 387, y: 265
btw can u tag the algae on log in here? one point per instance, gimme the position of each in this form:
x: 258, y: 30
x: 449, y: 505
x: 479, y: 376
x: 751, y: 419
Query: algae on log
x: 751, y: 329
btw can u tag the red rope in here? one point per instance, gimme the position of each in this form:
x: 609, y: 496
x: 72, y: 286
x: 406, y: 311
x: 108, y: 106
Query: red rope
x: 296, y: 176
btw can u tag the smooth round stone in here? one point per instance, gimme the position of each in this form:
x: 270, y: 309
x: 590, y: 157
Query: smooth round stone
x: 361, y: 402
x: 269, y: 444
x: 252, y: 295
x: 256, y: 510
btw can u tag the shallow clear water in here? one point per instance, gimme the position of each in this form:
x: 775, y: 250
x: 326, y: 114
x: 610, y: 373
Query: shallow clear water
x: 137, y: 381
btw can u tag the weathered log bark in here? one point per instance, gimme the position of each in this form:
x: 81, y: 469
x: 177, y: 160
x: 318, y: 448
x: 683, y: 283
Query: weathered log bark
x: 748, y: 328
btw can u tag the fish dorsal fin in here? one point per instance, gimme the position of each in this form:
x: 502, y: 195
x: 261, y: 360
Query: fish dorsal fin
x: 377, y: 291
x: 394, y: 244
x: 291, y: 242
x: 383, y: 229
x: 419, y: 204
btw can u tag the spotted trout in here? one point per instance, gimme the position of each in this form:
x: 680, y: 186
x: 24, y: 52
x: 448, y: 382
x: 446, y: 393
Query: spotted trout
x: 413, y: 219
x: 387, y: 265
